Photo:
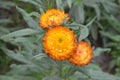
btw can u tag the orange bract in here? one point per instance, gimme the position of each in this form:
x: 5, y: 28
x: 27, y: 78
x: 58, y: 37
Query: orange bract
x: 52, y: 17
x: 82, y: 55
x: 59, y: 43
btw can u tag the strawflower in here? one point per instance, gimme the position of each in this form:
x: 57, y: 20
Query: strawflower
x: 52, y: 17
x: 59, y: 42
x: 82, y: 55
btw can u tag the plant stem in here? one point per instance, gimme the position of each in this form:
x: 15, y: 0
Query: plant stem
x: 60, y: 70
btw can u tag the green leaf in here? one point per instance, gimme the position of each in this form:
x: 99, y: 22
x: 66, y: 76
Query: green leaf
x: 25, y: 39
x: 99, y: 51
x: 17, y: 56
x: 3, y: 30
x: 59, y: 4
x: 95, y: 74
x: 51, y: 78
x: 88, y: 24
x: 36, y: 14
x: 6, y: 4
x: 5, y: 21
x: 84, y: 32
x: 83, y: 70
x: 4, y: 77
x: 111, y: 36
x: 39, y: 56
x: 23, y: 32
x: 73, y: 25
x: 93, y: 29
x: 110, y: 6
x: 99, y: 75
x: 32, y: 23
x: 22, y: 69
x: 69, y: 2
x: 114, y: 22
x: 113, y: 44
x: 77, y: 13
x: 41, y: 10
x: 94, y: 32
x: 32, y: 2
x: 83, y: 73
x: 76, y: 2
x: 95, y: 6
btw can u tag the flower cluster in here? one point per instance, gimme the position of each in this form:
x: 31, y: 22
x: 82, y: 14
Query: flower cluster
x: 59, y: 41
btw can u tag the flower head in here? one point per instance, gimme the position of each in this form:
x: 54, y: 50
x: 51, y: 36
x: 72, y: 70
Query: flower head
x: 59, y: 43
x: 52, y: 17
x: 82, y: 55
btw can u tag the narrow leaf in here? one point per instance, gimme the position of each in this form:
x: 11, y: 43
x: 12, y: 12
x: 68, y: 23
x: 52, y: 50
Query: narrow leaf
x: 36, y: 14
x: 99, y: 51
x: 88, y: 24
x: 59, y: 4
x: 23, y: 32
x: 69, y: 2
x: 99, y: 75
x: 111, y: 36
x: 32, y: 23
x: 114, y: 22
x: 77, y: 13
x: 32, y: 2
x: 17, y: 56
x: 84, y: 32
x: 95, y: 6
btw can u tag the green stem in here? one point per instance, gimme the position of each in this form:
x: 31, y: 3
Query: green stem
x: 60, y: 70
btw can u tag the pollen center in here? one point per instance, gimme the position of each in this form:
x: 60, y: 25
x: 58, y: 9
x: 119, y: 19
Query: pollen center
x: 60, y: 40
x: 53, y: 17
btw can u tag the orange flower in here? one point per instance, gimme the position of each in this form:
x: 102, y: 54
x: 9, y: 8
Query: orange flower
x: 58, y: 43
x: 82, y: 55
x: 52, y: 17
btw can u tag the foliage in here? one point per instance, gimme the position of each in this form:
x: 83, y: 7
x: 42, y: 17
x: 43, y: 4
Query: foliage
x: 89, y: 18
x: 112, y: 38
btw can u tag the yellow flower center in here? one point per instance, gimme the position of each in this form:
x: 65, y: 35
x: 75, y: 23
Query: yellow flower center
x: 53, y: 17
x: 60, y: 40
